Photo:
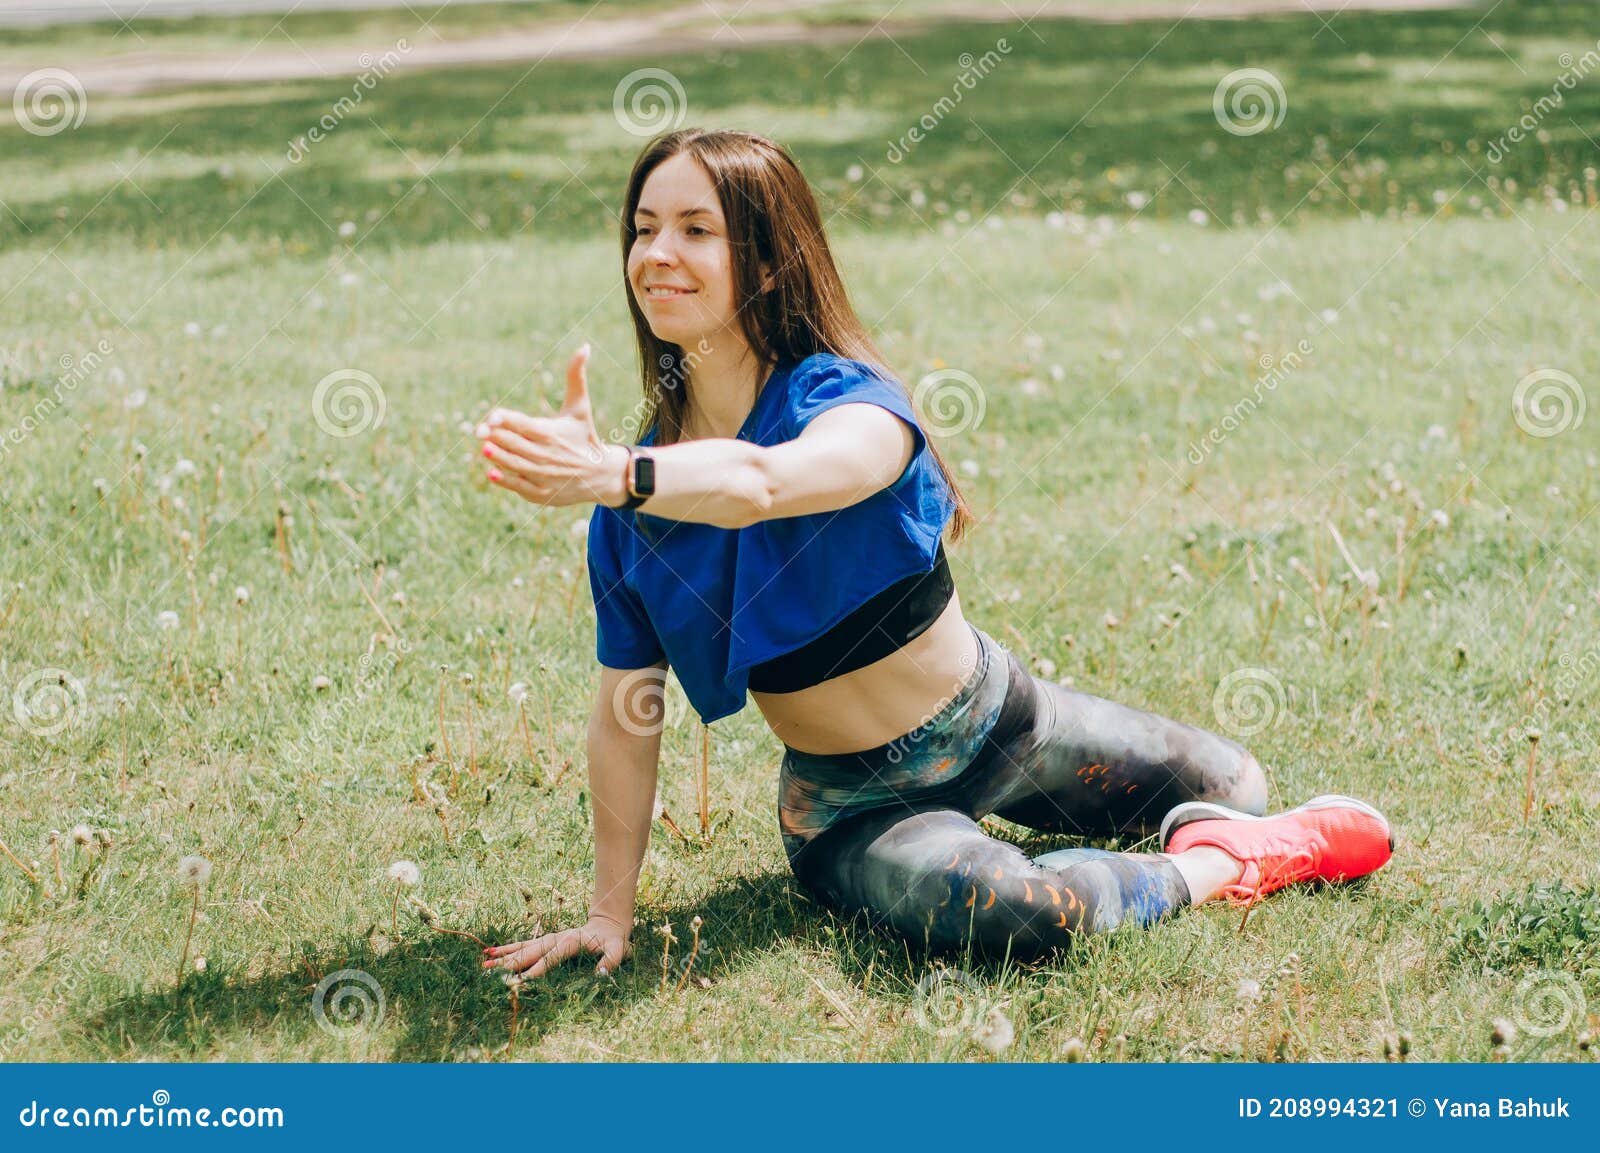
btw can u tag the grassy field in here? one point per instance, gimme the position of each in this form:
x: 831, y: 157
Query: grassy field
x: 1249, y: 456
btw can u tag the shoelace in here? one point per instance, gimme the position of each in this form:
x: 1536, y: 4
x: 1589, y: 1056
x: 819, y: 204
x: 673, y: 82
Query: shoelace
x: 1278, y: 864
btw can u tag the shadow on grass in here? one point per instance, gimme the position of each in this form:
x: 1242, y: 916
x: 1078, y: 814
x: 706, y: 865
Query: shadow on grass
x: 438, y: 1004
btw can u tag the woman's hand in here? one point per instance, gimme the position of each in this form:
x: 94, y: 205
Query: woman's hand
x: 556, y: 460
x: 533, y: 958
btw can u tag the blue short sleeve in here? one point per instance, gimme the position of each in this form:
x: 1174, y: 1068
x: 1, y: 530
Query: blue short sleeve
x: 828, y: 381
x: 624, y: 636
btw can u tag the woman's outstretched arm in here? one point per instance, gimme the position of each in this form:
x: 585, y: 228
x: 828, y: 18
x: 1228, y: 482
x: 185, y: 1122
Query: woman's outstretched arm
x: 624, y: 749
x: 843, y: 456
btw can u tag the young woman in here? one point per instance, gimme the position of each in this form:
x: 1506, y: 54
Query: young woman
x: 778, y: 530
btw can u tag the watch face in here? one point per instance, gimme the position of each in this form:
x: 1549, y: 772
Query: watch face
x: 644, y: 475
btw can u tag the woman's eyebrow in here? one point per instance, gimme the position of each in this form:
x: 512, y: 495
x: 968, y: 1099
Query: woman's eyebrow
x: 681, y: 215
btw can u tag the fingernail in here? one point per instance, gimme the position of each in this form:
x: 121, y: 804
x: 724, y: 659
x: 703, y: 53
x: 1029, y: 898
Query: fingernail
x: 495, y: 475
x: 488, y: 450
x: 585, y: 349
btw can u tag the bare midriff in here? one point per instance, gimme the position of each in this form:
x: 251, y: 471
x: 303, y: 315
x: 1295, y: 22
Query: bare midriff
x: 878, y: 702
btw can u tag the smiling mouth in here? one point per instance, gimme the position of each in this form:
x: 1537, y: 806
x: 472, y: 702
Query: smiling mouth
x: 656, y: 293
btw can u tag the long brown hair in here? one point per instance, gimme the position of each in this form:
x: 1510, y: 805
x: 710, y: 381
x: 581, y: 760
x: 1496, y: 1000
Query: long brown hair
x: 772, y: 218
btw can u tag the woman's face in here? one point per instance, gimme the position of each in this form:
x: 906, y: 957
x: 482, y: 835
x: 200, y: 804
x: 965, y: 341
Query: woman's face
x: 681, y: 265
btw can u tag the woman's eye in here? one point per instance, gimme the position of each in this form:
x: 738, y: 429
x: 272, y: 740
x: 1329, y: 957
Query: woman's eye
x: 641, y: 231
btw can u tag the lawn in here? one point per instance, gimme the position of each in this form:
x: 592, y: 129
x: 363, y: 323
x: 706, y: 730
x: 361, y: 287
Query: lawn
x: 1249, y: 455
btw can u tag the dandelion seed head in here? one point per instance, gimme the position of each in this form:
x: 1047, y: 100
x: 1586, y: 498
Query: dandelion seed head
x: 199, y: 964
x: 1248, y: 992
x: 321, y: 683
x: 167, y: 619
x: 82, y: 834
x: 405, y: 873
x: 241, y: 595
x: 996, y: 1033
x: 194, y: 870
x: 1072, y: 1050
x: 517, y: 692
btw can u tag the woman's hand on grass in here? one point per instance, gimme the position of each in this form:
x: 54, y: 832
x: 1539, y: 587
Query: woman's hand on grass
x: 555, y: 460
x: 537, y: 956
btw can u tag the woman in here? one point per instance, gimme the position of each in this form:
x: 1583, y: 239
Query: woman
x: 778, y: 531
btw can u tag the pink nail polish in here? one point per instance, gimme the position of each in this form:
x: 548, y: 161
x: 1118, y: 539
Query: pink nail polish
x: 495, y: 474
x: 488, y: 450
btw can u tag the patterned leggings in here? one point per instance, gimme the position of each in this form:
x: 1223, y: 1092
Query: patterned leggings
x: 893, y: 831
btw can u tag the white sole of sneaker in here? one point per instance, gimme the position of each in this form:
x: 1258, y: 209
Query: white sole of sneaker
x: 1190, y: 811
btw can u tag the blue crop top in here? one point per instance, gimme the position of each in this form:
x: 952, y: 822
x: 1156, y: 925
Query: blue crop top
x: 715, y: 601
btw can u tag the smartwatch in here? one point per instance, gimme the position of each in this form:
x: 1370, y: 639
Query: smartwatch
x: 639, y: 479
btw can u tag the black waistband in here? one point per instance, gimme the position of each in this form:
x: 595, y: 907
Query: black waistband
x: 895, y: 617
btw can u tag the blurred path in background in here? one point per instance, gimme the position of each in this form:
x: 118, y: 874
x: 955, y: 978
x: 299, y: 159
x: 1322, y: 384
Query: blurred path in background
x: 601, y: 31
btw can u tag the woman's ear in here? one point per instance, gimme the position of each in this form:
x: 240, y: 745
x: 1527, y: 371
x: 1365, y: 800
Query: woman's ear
x: 766, y: 278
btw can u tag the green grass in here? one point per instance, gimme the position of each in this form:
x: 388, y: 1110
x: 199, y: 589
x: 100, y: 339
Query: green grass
x: 422, y: 23
x: 1105, y: 349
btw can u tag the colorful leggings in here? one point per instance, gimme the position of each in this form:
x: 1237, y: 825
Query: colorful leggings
x: 893, y: 831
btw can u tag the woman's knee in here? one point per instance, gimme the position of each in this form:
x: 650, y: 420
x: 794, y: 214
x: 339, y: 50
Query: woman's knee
x: 1218, y: 769
x: 1250, y: 787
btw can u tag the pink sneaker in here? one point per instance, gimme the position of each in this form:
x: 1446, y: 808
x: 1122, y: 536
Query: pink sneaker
x: 1329, y: 838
